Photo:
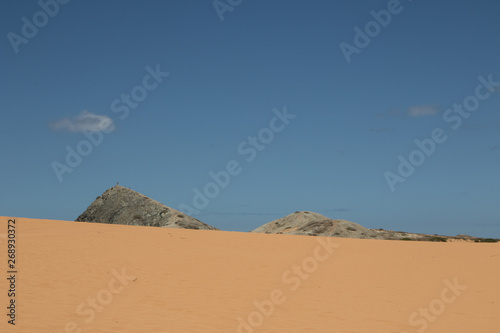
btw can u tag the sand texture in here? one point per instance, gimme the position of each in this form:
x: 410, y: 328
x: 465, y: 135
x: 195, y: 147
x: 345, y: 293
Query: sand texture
x: 93, y: 278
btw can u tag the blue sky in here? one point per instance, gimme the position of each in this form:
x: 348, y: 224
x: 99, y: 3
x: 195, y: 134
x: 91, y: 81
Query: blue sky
x: 349, y: 121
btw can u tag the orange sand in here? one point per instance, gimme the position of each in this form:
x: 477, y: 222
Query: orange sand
x: 212, y: 281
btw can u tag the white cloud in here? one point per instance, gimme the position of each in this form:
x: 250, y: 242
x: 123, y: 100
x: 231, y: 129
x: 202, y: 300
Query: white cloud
x: 85, y: 121
x: 422, y: 110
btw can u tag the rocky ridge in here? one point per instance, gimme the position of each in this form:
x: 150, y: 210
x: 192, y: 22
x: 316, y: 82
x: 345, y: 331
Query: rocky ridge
x: 121, y: 205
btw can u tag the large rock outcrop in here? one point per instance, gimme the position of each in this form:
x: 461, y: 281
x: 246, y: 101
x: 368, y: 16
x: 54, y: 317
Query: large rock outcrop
x: 314, y: 224
x: 121, y: 205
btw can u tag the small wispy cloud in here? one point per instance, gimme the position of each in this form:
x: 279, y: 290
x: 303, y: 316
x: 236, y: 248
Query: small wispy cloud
x: 412, y: 111
x: 422, y: 110
x: 495, y: 148
x: 85, y: 121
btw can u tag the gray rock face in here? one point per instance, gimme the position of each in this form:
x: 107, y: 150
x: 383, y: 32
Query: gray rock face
x: 314, y: 224
x: 120, y: 205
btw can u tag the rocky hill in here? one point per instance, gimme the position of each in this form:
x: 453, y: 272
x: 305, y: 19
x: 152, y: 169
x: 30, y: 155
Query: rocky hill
x: 121, y: 205
x: 314, y: 224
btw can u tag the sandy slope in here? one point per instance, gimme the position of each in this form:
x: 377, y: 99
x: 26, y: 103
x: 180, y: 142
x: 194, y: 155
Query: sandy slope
x: 207, y: 281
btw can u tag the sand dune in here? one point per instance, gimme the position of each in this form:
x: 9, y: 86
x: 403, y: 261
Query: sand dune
x: 88, y: 277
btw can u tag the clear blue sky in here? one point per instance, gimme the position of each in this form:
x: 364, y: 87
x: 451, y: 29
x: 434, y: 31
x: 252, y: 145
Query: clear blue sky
x: 352, y: 120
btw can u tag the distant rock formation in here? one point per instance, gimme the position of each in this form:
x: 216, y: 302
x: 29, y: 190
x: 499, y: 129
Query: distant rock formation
x: 120, y: 205
x: 314, y: 224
